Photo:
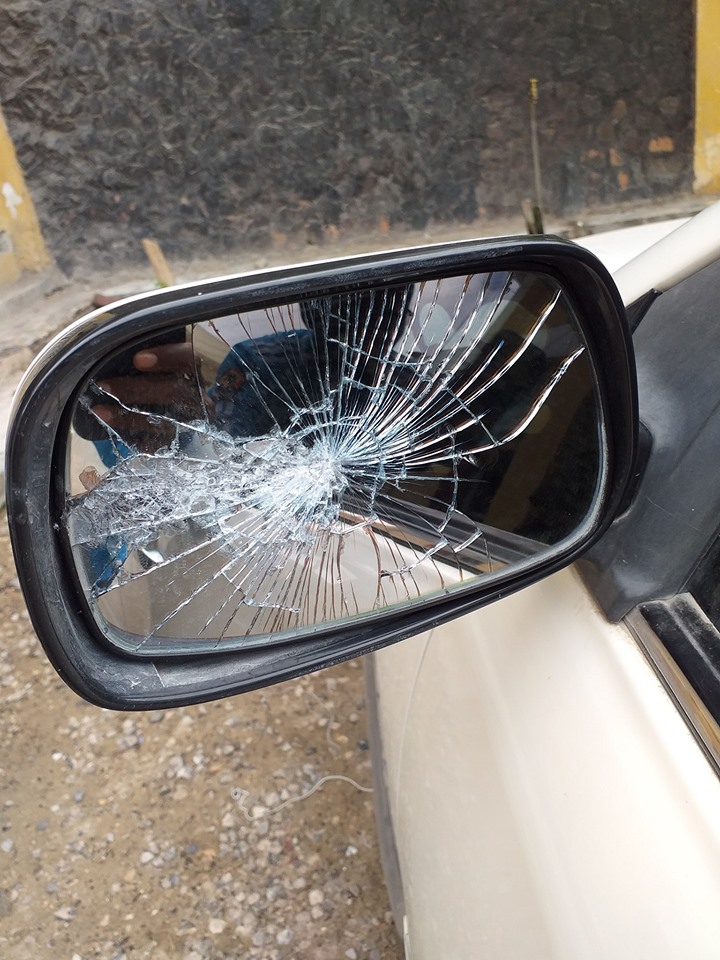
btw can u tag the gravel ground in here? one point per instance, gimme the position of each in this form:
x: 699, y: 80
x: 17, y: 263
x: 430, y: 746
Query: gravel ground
x: 153, y: 835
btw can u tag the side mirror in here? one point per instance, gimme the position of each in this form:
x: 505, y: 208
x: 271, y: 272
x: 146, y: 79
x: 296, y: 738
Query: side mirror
x: 228, y: 484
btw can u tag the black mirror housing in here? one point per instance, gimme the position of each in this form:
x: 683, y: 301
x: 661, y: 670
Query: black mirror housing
x: 470, y: 367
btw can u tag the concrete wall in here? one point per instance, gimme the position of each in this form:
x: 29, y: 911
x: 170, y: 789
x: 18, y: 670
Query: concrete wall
x: 220, y: 123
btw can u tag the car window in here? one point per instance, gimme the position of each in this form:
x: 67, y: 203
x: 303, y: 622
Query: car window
x: 705, y: 584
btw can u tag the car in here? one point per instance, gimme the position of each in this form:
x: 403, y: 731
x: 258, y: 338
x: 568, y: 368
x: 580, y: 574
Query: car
x: 492, y: 451
x: 548, y: 770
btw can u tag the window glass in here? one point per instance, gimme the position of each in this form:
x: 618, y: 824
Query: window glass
x: 705, y: 584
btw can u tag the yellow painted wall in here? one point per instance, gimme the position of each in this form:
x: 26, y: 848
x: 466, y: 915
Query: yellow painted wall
x: 21, y: 242
x: 707, y: 97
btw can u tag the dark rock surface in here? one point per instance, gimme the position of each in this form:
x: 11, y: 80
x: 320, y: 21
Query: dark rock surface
x: 238, y: 123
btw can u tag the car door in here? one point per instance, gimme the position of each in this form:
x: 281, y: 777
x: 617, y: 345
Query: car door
x: 551, y: 761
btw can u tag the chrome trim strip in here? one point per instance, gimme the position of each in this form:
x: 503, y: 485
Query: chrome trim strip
x: 696, y: 715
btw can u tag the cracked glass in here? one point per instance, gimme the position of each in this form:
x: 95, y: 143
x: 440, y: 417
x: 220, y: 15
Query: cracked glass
x: 246, y: 480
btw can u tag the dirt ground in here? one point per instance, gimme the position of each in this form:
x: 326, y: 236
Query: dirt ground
x: 152, y: 835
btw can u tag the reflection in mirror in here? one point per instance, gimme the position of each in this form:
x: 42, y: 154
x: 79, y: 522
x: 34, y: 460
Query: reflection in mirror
x: 244, y: 479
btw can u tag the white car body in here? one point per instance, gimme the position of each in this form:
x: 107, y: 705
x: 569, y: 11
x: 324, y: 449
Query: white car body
x: 547, y: 798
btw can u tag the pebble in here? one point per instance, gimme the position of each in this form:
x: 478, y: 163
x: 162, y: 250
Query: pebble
x: 216, y: 925
x: 315, y: 897
x: 7, y: 846
x: 65, y: 913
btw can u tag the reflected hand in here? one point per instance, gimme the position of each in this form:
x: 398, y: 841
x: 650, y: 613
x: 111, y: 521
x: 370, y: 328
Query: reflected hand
x: 149, y: 407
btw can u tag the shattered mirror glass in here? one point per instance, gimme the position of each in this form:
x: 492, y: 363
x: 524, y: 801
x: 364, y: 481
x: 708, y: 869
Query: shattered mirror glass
x: 238, y: 481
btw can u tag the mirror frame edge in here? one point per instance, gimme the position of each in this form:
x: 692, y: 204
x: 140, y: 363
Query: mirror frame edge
x: 118, y: 681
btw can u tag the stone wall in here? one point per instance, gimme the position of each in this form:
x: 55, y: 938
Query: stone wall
x: 219, y: 123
